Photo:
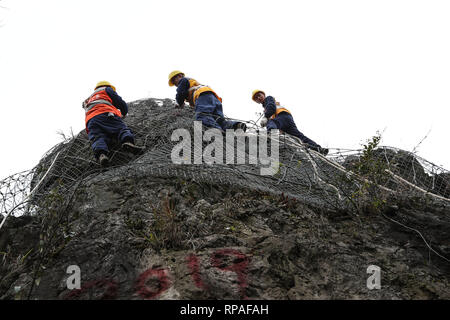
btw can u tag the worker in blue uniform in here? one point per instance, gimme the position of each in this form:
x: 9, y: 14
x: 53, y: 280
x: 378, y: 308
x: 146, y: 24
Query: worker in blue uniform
x: 277, y: 117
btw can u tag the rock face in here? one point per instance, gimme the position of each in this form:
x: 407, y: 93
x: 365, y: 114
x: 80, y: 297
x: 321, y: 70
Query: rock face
x: 145, y: 230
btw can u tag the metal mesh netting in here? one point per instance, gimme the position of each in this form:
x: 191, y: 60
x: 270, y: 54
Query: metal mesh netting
x: 302, y: 173
x: 404, y: 167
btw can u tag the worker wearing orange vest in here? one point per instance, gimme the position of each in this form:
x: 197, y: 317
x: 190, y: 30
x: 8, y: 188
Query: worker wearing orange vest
x: 277, y: 117
x: 208, y: 105
x: 104, y: 112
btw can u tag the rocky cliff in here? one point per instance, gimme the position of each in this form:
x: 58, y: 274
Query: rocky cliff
x: 148, y: 228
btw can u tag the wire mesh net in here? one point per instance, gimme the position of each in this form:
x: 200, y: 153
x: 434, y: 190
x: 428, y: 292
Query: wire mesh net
x: 300, y: 172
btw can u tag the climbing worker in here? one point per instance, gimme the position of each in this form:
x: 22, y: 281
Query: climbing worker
x: 208, y: 105
x: 104, y: 112
x: 276, y: 117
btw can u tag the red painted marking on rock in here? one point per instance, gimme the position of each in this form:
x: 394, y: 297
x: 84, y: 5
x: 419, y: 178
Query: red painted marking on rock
x: 163, y: 283
x: 194, y: 266
x: 239, y: 266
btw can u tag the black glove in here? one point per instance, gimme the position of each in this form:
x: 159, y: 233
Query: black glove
x: 240, y: 125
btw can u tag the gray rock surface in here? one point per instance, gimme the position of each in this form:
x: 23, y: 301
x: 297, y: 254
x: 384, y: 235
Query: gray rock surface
x: 139, y: 232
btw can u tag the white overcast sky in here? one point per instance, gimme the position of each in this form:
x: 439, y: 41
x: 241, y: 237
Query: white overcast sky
x: 345, y: 69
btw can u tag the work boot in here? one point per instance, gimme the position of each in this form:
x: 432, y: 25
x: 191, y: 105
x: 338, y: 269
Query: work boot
x: 131, y: 147
x: 319, y: 149
x: 103, y: 160
x: 323, y: 151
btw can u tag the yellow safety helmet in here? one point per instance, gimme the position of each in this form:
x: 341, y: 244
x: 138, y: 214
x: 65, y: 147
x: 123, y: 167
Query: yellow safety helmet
x: 173, y: 74
x: 104, y: 83
x: 255, y: 92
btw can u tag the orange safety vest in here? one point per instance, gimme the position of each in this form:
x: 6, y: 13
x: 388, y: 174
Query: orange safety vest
x: 99, y: 102
x: 195, y: 89
x: 278, y: 111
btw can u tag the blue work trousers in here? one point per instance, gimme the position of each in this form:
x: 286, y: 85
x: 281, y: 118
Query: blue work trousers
x: 208, y: 110
x: 285, y: 123
x: 102, y: 129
